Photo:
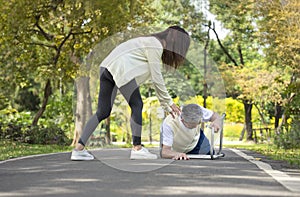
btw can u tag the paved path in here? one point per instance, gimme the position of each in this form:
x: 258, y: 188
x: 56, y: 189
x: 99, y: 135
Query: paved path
x: 113, y: 174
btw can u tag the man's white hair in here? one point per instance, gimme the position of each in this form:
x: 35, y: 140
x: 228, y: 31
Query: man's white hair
x: 191, y: 113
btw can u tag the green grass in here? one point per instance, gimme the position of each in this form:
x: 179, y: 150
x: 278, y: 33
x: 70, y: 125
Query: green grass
x: 232, y: 133
x: 11, y: 149
x: 292, y: 156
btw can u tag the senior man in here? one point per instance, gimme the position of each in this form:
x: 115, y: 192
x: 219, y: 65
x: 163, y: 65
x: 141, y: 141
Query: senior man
x: 183, y: 135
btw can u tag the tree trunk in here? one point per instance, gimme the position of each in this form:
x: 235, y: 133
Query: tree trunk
x: 285, y: 116
x: 242, y: 133
x: 205, y: 86
x: 248, y: 119
x: 278, y: 113
x: 261, y: 115
x: 83, y: 106
x: 47, y: 94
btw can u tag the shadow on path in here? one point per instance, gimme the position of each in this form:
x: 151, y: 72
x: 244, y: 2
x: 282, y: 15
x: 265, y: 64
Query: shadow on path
x: 113, y: 174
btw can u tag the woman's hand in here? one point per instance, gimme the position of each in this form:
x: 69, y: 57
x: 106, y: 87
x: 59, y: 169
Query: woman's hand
x: 175, y: 110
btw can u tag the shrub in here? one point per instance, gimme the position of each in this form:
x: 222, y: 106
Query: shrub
x: 17, y: 127
x: 289, y: 137
x: 46, y: 135
x: 234, y: 111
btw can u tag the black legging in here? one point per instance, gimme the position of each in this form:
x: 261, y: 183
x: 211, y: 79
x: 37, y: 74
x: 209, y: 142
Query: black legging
x: 107, y: 95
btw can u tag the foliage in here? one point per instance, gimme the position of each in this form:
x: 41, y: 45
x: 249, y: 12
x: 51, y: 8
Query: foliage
x: 289, y: 137
x: 50, y: 40
x: 184, y: 13
x: 27, y: 98
x: 59, y: 112
x: 279, y: 30
x: 279, y: 33
x: 292, y: 156
x: 11, y: 149
x: 47, y: 135
x: 55, y: 36
x: 17, y: 127
x: 234, y: 111
x: 236, y: 16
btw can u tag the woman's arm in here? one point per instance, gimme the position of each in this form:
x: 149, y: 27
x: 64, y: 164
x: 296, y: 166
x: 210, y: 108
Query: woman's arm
x: 154, y: 59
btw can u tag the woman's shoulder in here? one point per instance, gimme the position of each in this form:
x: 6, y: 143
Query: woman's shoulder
x: 148, y: 41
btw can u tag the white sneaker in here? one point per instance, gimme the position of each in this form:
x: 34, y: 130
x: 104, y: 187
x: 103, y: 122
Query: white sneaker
x: 142, y: 154
x: 81, y: 155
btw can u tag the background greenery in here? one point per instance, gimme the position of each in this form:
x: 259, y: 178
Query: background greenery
x: 44, y: 44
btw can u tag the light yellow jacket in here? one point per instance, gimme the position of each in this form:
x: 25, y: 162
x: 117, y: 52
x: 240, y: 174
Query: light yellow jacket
x: 139, y: 59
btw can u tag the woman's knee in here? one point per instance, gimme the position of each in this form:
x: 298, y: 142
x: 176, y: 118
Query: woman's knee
x: 101, y: 115
x: 137, y: 105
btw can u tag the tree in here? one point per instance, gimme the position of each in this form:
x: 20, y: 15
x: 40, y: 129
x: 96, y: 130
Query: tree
x: 237, y: 17
x: 279, y: 30
x: 46, y: 43
x: 47, y: 31
x: 56, y: 35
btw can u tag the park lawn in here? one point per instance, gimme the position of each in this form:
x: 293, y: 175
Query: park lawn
x: 11, y: 149
x: 292, y: 156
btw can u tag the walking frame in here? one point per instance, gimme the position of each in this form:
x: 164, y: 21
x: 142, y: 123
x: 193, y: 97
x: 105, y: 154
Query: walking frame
x: 214, y: 154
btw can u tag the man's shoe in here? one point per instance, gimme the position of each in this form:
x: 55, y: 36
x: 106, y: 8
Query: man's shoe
x: 142, y: 154
x: 81, y: 155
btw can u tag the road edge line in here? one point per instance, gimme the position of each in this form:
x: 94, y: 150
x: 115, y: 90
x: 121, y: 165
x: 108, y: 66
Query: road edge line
x: 290, y: 183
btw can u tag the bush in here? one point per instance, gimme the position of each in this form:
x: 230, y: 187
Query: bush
x: 12, y: 131
x: 13, y: 124
x: 289, y: 137
x: 46, y: 135
x: 35, y: 135
x: 17, y: 127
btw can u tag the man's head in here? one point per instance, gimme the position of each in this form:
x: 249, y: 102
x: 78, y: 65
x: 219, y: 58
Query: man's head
x: 191, y: 115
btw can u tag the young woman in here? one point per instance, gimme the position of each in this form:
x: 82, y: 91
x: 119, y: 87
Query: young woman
x: 124, y: 69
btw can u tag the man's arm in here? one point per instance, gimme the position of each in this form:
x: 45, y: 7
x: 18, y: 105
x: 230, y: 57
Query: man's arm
x: 168, y: 153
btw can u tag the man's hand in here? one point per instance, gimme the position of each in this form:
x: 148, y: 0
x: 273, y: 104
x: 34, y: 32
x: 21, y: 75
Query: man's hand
x: 167, y: 152
x: 181, y: 156
x: 216, y: 125
x: 216, y: 122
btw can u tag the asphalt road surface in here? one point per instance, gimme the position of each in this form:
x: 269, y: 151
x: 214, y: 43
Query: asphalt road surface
x: 113, y: 174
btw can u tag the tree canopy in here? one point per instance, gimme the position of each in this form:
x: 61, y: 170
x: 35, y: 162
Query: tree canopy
x: 44, y: 47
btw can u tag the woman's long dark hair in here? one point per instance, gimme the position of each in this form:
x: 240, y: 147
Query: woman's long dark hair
x: 177, y: 42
